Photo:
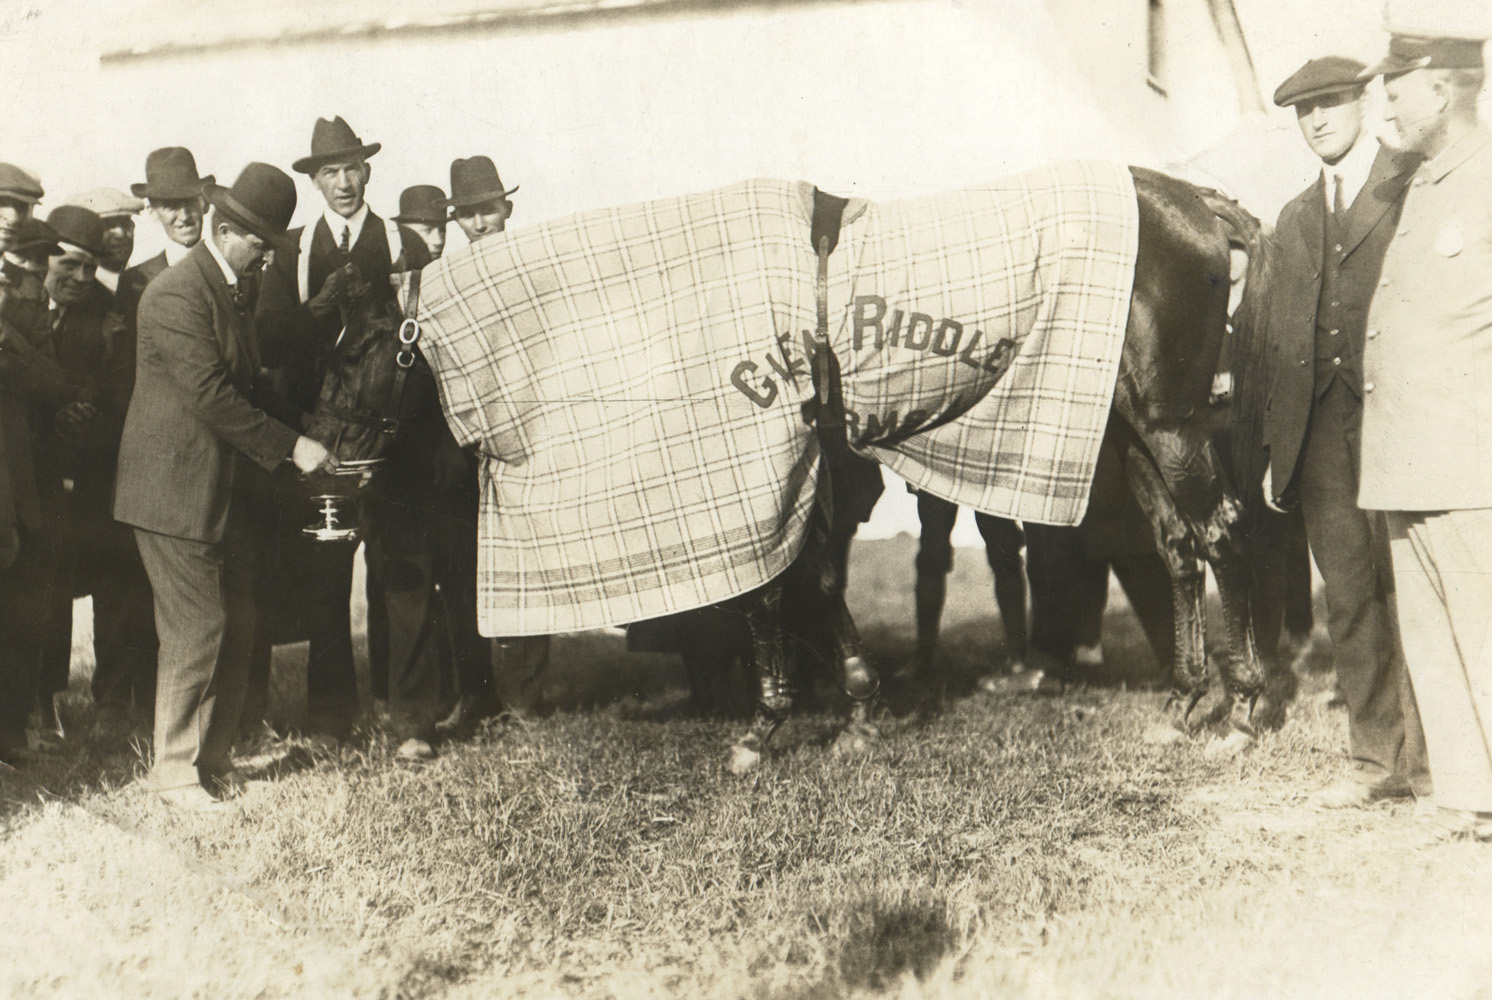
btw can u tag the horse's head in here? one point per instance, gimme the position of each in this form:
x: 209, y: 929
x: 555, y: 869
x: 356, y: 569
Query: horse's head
x: 354, y: 413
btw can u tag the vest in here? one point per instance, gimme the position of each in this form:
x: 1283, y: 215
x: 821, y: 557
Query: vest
x: 1340, y: 322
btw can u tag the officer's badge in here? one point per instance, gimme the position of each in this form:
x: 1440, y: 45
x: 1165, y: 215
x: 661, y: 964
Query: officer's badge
x: 1449, y: 241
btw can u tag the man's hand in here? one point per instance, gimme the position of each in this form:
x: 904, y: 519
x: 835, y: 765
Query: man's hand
x: 309, y: 455
x: 333, y: 291
x: 74, y: 418
x: 1268, y: 489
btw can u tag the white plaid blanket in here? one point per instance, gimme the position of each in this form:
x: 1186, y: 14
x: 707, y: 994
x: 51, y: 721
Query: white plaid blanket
x: 634, y: 377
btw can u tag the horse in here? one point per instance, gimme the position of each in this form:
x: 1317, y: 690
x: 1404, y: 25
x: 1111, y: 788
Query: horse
x: 1178, y: 310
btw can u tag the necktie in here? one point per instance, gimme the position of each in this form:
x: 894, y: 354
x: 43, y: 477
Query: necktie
x: 241, y: 294
x: 346, y: 244
x: 1337, y: 207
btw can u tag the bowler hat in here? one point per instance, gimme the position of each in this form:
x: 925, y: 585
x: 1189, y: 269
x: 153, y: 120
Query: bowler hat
x: 79, y: 227
x: 171, y: 175
x: 422, y: 203
x: 1326, y: 75
x: 1407, y: 52
x: 262, y: 200
x: 475, y: 182
x: 106, y: 203
x: 333, y: 141
x: 19, y: 185
x: 34, y: 235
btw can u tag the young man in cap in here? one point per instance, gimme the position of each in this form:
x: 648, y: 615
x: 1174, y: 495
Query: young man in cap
x: 480, y: 205
x: 298, y: 321
x: 96, y: 349
x: 1331, y: 240
x: 193, y: 462
x: 118, y: 211
x: 479, y: 202
x: 173, y: 192
x: 1427, y: 412
x: 422, y: 210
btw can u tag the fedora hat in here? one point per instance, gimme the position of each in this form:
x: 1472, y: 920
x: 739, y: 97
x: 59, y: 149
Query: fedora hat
x: 474, y: 182
x: 171, y: 175
x: 332, y: 141
x: 19, y: 185
x: 424, y: 203
x: 79, y: 227
x: 262, y: 200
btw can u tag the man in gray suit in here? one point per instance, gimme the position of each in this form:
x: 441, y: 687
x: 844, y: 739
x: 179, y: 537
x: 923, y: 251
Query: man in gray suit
x: 1331, y: 240
x: 194, y: 458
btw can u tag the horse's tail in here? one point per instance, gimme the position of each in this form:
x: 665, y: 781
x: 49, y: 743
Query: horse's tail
x: 1246, y: 348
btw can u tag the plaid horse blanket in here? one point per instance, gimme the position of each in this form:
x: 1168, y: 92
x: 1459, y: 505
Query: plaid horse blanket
x: 635, y: 378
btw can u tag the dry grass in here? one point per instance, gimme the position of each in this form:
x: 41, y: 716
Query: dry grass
x: 1011, y: 847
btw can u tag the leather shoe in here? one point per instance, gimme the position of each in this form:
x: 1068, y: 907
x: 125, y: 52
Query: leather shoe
x: 415, y: 750
x: 470, y: 709
x: 1349, y: 793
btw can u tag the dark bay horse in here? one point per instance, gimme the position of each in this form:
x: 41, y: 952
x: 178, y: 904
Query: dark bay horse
x: 1176, y: 324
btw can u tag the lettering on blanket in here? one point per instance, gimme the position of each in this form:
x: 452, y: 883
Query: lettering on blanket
x: 921, y: 332
x: 761, y: 389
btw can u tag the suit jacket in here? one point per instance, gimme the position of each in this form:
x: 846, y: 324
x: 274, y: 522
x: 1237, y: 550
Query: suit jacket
x: 1427, y: 423
x: 192, y: 435
x: 1299, y: 249
x: 132, y: 285
x: 294, y: 344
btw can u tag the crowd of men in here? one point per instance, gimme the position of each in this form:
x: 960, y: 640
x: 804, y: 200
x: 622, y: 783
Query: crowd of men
x: 151, y: 443
x: 151, y: 435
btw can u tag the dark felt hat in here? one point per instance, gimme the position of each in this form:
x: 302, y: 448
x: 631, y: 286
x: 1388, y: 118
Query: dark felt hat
x: 331, y: 142
x: 1407, y: 52
x: 171, y: 175
x: 79, y: 227
x: 474, y: 181
x: 424, y: 203
x: 1326, y: 75
x: 19, y: 185
x: 34, y: 235
x: 262, y: 200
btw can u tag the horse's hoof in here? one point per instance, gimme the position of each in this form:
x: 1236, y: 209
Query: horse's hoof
x: 743, y: 759
x: 1159, y: 734
x: 860, y: 681
x: 857, y: 741
x: 1229, y: 746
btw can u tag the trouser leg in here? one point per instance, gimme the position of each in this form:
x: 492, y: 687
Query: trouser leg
x: 331, y: 675
x: 378, y: 626
x: 1443, y: 575
x: 1147, y: 586
x: 406, y: 571
x: 1003, y: 541
x: 124, y: 638
x: 1350, y: 548
x: 21, y: 611
x: 205, y: 618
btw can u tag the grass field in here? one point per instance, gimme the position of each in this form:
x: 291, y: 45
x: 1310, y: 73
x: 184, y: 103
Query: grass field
x: 1013, y: 846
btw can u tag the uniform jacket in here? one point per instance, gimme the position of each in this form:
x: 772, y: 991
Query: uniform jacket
x: 293, y: 343
x: 1300, y: 255
x: 1427, y: 413
x: 192, y: 432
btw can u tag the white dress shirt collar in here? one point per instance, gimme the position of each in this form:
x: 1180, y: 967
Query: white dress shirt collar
x: 336, y: 224
x: 228, y: 274
x: 1353, y: 170
x: 175, y: 253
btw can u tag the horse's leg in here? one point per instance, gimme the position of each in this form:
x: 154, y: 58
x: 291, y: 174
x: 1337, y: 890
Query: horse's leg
x: 818, y: 570
x: 762, y: 609
x: 1191, y: 477
x: 1173, y: 540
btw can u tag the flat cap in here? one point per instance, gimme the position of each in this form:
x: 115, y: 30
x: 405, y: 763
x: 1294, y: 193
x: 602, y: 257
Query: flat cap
x: 1326, y: 75
x: 34, y: 237
x: 1409, y: 52
x: 19, y: 185
x: 106, y: 203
